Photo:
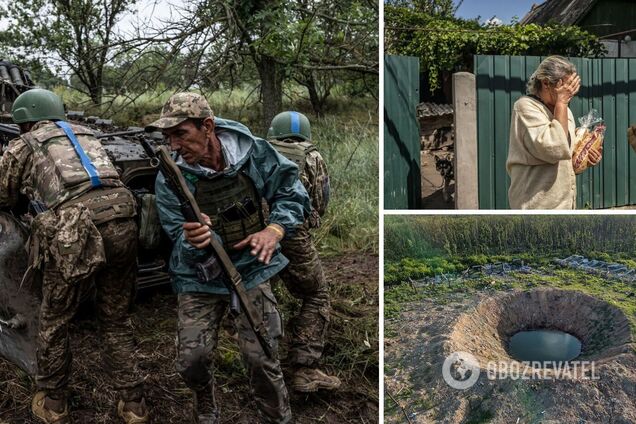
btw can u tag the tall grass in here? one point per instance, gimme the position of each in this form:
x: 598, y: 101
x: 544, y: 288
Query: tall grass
x: 347, y: 137
x: 350, y: 148
x: 425, y: 237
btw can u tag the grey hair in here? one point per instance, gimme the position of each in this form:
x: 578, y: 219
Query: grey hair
x: 552, y: 69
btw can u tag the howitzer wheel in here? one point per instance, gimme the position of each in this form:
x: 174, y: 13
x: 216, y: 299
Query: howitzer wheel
x: 20, y: 305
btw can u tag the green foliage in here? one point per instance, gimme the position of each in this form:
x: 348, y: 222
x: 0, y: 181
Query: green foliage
x: 448, y: 44
x: 347, y: 137
x: 440, y: 8
x: 616, y: 292
x: 414, y: 269
x: 540, y: 235
x: 478, y: 259
x: 350, y: 148
x: 396, y: 272
x: 316, y: 44
x: 404, y: 240
x: 79, y: 33
x: 398, y: 295
x: 135, y: 72
x: 352, y: 341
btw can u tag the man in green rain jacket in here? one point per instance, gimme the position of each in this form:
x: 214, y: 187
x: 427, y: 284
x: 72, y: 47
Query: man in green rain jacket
x: 229, y: 171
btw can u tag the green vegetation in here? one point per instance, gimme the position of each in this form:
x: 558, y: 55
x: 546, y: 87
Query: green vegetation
x: 446, y: 43
x: 426, y: 237
x: 618, y: 293
x: 346, y: 136
x: 394, y: 297
x: 449, y: 245
x: 352, y: 342
x: 413, y: 269
x: 101, y: 48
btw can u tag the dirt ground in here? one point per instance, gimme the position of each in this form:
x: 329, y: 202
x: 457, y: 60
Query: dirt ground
x: 351, y: 353
x: 415, y: 392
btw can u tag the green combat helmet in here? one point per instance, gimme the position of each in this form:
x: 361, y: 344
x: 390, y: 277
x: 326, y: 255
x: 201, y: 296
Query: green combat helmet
x: 37, y: 105
x: 290, y: 125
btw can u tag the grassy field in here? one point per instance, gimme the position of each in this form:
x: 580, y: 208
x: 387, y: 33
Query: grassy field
x: 347, y: 137
x: 425, y: 237
x: 417, y: 247
x: 420, y: 247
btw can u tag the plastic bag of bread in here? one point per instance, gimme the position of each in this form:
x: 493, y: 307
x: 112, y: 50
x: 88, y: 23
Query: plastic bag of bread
x: 589, y: 136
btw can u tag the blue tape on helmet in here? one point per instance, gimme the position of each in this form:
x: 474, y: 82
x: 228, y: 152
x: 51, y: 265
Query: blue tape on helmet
x: 86, y: 161
x: 295, y: 122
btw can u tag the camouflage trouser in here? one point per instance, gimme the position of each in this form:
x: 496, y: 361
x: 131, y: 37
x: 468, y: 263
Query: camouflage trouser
x: 305, y: 279
x: 200, y: 315
x: 114, y: 284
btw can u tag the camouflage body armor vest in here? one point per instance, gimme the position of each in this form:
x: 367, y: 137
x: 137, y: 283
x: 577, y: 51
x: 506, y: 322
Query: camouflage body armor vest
x: 233, y: 205
x: 295, y: 151
x: 58, y: 174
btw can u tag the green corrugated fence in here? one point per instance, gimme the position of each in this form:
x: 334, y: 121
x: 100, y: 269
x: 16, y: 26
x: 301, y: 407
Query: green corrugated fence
x: 402, y: 175
x: 607, y: 85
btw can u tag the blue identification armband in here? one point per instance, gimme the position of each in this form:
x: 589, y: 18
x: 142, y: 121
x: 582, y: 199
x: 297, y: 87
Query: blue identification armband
x: 86, y: 161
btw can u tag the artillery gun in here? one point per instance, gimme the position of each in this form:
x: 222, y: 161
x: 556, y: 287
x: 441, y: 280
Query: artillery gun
x: 21, y: 291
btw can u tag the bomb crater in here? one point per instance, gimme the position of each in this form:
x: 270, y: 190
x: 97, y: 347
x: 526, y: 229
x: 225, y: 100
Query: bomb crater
x: 489, y: 331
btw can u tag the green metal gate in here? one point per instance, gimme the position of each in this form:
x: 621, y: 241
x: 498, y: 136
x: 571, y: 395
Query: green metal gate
x: 607, y: 85
x: 402, y: 175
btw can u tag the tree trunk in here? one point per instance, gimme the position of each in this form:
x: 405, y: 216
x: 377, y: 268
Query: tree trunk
x: 271, y: 76
x: 96, y: 94
x: 317, y: 100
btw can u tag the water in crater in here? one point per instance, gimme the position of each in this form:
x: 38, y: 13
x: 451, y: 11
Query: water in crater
x: 544, y: 345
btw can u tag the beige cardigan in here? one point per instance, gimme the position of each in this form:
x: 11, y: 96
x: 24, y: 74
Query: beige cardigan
x: 540, y: 158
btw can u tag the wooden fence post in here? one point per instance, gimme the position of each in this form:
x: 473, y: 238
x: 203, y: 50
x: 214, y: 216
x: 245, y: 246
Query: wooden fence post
x: 465, y: 107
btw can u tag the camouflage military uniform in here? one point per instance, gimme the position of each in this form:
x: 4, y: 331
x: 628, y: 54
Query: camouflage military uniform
x: 253, y: 164
x: 200, y: 316
x: 82, y: 230
x: 304, y: 276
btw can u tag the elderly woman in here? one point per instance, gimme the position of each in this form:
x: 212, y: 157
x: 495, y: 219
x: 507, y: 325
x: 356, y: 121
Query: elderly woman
x: 542, y: 140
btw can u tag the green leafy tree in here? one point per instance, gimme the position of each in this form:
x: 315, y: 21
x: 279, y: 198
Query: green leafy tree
x: 448, y: 44
x: 336, y: 44
x: 137, y: 72
x: 311, y: 42
x: 440, y: 8
x: 78, y: 34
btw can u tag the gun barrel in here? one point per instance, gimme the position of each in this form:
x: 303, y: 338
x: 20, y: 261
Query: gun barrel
x: 120, y: 133
x: 148, y: 149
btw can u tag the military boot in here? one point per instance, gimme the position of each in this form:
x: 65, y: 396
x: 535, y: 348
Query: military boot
x: 311, y: 379
x: 133, y: 412
x: 50, y: 410
x: 205, y: 410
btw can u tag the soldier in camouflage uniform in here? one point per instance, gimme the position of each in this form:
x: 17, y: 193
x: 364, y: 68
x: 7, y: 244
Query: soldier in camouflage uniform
x: 290, y: 134
x: 87, y: 232
x: 229, y: 172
